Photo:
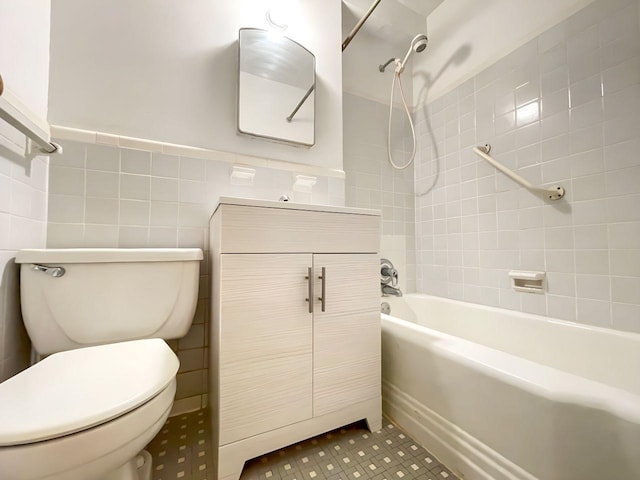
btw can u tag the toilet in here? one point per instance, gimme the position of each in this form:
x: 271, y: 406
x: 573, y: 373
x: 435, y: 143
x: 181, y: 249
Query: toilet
x: 107, y: 381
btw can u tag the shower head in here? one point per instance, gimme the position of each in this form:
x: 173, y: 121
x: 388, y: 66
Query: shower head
x: 418, y: 44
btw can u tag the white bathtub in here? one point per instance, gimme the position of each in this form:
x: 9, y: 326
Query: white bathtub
x: 498, y: 394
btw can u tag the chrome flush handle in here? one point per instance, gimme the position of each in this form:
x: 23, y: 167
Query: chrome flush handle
x: 55, y: 272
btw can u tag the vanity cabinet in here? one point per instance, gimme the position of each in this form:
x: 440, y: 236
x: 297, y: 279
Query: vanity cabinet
x: 295, y: 333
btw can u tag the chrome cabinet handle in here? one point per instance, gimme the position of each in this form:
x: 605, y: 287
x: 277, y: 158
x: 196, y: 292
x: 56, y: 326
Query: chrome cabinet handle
x: 55, y: 272
x: 323, y: 298
x: 309, y: 278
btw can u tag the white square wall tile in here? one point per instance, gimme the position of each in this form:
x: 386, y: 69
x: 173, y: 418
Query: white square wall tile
x: 100, y: 236
x: 164, y: 214
x: 585, y: 91
x: 561, y: 307
x: 622, y: 155
x: 164, y: 189
x: 66, y: 181
x: 133, y: 237
x: 102, y: 184
x: 622, y: 128
x: 622, y: 182
x: 623, y: 48
x: 101, y: 211
x: 192, y: 169
x: 63, y: 235
x: 100, y: 157
x: 134, y: 212
x: 165, y: 165
x: 625, y: 263
x: 625, y: 289
x: 624, y: 235
x: 563, y: 284
x: 73, y: 155
x: 626, y: 317
x: 164, y: 237
x: 26, y: 233
x: 621, y: 76
x: 135, y: 187
x: 5, y: 229
x: 623, y: 208
x: 591, y: 237
x: 561, y: 261
x: 135, y: 161
x: 596, y: 287
x: 594, y: 312
x: 65, y: 209
x: 622, y: 103
x: 594, y: 262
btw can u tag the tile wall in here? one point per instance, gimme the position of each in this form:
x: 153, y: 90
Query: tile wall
x: 23, y: 206
x: 109, y: 196
x: 563, y: 109
x: 371, y: 182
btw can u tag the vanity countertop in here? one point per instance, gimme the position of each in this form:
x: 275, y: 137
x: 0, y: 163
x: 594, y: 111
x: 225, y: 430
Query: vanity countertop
x: 252, y: 202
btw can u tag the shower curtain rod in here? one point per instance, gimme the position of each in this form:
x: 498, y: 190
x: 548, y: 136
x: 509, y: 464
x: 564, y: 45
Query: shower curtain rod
x: 553, y: 193
x: 358, y: 26
x: 27, y: 122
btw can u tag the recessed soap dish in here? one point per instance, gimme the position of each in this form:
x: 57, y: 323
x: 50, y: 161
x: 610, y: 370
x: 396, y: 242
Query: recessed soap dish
x: 529, y: 282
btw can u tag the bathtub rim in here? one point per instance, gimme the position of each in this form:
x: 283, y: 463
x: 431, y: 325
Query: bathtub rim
x: 527, y: 315
x: 552, y: 383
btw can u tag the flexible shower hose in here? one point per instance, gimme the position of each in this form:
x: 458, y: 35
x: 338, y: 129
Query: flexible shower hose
x: 396, y: 75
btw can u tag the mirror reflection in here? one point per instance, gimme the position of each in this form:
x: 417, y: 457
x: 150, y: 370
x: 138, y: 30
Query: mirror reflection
x: 276, y: 93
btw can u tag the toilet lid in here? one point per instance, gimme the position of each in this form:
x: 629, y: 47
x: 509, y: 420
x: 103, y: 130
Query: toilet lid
x: 78, y: 389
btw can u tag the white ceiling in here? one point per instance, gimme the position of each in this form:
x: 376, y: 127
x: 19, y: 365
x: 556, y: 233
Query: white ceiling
x: 395, y: 21
x: 423, y: 7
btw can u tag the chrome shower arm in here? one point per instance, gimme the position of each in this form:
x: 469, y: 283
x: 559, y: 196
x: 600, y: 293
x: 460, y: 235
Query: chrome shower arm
x: 383, y: 67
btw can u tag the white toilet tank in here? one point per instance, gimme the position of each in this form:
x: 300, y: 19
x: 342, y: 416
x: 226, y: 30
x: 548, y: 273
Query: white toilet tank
x: 74, y: 298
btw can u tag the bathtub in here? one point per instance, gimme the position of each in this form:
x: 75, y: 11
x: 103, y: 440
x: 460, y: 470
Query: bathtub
x: 499, y: 394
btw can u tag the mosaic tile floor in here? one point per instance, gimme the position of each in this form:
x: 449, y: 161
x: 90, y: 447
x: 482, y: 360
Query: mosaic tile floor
x: 182, y: 450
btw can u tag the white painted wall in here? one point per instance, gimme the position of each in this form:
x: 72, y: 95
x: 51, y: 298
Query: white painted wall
x: 466, y: 36
x: 24, y: 65
x: 167, y: 70
x: 24, y: 55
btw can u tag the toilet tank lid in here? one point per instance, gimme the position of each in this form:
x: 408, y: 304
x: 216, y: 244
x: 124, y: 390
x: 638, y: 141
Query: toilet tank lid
x: 107, y: 255
x: 74, y: 390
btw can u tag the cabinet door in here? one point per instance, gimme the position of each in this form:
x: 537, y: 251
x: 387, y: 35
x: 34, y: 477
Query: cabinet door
x: 346, y: 337
x: 265, y: 344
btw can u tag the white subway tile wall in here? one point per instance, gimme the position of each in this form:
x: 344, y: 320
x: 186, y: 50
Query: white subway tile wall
x: 371, y: 182
x: 563, y: 109
x: 109, y: 196
x: 23, y: 207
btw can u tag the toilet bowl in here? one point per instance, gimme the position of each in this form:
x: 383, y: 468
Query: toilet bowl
x: 85, y: 414
x: 108, y: 379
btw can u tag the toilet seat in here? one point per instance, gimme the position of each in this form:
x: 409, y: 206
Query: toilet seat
x: 76, y: 390
x: 91, y: 453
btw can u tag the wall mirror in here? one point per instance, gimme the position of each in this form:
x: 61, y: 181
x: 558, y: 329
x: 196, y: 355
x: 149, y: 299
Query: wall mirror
x: 276, y: 88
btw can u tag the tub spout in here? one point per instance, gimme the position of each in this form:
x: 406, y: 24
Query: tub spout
x: 389, y: 290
